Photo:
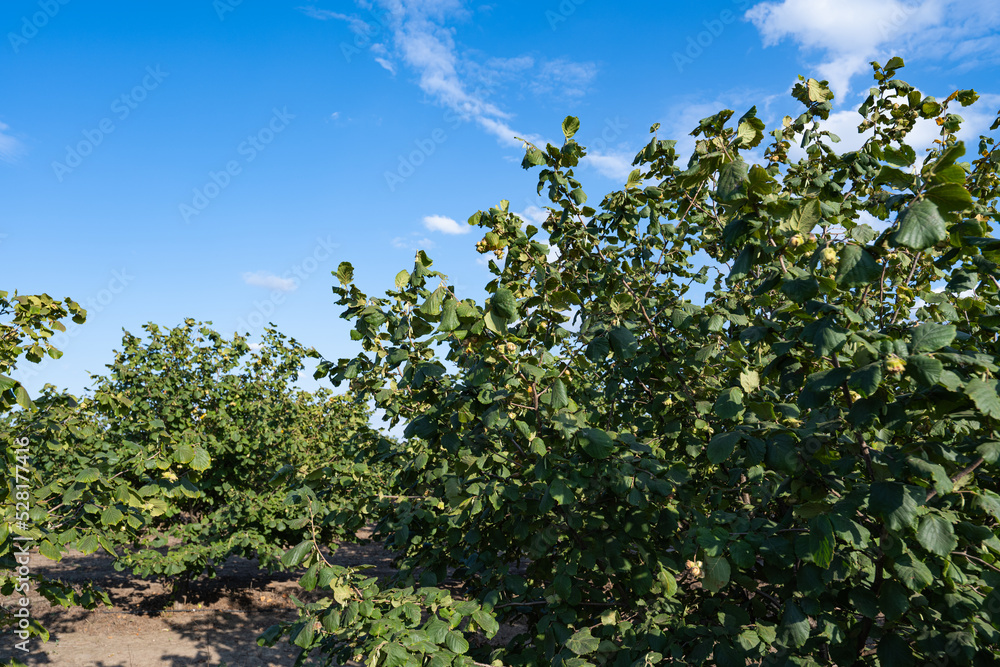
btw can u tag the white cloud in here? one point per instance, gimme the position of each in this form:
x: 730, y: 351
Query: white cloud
x: 615, y: 165
x: 10, y: 148
x: 534, y: 214
x: 850, y: 33
x: 270, y: 281
x: 420, y: 39
x: 445, y: 225
x: 412, y: 242
x: 844, y: 124
x: 564, y: 78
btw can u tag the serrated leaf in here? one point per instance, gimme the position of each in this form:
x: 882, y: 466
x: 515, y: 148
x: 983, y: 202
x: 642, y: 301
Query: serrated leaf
x: 930, y: 336
x: 894, y: 502
x: 583, y: 643
x: 570, y: 126
x: 721, y: 446
x: 912, y: 572
x: 345, y: 273
x: 937, y: 535
x: 559, y: 398
x: 984, y: 395
x: 866, y: 380
x: 503, y: 304
x: 560, y: 492
x: 456, y: 642
x: 731, y: 179
x: 296, y: 554
x: 111, y: 516
x: 201, y: 459
x: 717, y: 573
x: 794, y: 625
x: 623, y: 342
x: 920, y: 226
x: 596, y: 442
x: 749, y: 380
x: 52, y: 552
x: 856, y: 267
x: 402, y: 279
x: 729, y: 404
x: 184, y: 453
x: 927, y: 370
x: 88, y: 475
x: 486, y: 621
x: 449, y: 316
x: 894, y: 651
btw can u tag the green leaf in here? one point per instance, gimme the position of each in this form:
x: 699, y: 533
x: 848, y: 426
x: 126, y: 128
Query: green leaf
x: 800, y: 290
x: 52, y: 552
x: 184, y: 453
x: 927, y: 370
x: 856, y: 267
x: 729, y: 404
x: 201, y: 459
x: 345, y: 273
x: 894, y: 651
x: 937, y: 535
x: 894, y: 502
x: 749, y: 380
x: 559, y: 398
x: 296, y: 554
x: 819, y: 386
x: 88, y: 475
x: 583, y: 643
x: 486, y: 621
x: 623, y: 343
x: 721, y: 446
x: 984, y: 395
x: 930, y: 337
x: 449, y: 316
x: 821, y: 541
x: 596, y: 442
x: 560, y: 492
x: 402, y: 279
x: 731, y: 179
x: 504, y: 304
x: 570, y: 126
x: 866, y: 380
x: 111, y: 516
x: 717, y: 573
x: 456, y: 642
x: 949, y: 197
x: 794, y: 625
x: 912, y: 572
x: 920, y: 226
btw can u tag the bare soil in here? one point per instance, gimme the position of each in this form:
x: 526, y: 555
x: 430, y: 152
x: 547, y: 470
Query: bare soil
x: 216, y: 624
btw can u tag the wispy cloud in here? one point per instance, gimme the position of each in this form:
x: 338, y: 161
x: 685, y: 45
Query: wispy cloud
x: 445, y: 225
x: 417, y: 35
x: 10, y: 148
x: 270, y: 281
x: 848, y: 34
x: 412, y: 242
x: 564, y: 78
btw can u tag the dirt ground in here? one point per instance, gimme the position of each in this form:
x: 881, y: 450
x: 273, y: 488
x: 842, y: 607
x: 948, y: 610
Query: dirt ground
x: 217, y: 624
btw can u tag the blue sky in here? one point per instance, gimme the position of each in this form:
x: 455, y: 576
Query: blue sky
x: 218, y: 159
